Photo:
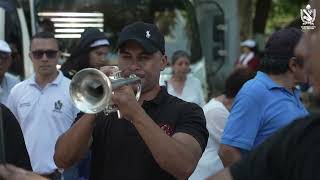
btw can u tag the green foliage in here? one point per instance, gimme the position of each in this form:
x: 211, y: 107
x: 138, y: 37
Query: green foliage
x: 283, y: 12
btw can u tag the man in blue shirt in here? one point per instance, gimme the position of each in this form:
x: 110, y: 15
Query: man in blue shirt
x: 267, y: 102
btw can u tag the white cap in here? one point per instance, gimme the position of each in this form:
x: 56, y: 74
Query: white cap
x: 100, y: 42
x: 4, y: 47
x: 249, y: 43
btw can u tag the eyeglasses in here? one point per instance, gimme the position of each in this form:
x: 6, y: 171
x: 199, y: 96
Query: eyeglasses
x: 38, y: 54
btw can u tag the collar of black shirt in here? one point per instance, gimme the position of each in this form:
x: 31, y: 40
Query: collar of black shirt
x: 162, y: 95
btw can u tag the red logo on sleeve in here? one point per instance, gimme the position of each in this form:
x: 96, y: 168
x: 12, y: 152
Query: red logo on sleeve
x: 166, y: 128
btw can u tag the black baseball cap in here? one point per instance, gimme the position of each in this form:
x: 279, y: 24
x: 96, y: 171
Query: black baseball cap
x: 281, y: 44
x: 146, y: 34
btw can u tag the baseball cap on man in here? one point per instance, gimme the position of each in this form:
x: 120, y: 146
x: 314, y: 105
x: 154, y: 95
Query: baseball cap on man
x: 145, y: 34
x: 4, y: 47
x: 281, y: 44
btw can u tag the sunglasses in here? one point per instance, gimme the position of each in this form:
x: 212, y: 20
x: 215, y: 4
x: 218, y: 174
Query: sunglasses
x: 38, y: 54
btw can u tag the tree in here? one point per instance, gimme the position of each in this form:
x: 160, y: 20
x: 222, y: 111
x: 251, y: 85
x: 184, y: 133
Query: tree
x: 261, y: 16
x: 260, y: 19
x: 283, y: 13
x: 245, y: 14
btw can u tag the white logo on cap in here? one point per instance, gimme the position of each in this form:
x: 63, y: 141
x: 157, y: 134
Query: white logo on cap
x: 148, y: 35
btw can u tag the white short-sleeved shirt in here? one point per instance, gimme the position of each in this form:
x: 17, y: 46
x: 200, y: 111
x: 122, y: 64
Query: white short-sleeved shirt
x: 216, y: 115
x: 43, y: 114
x: 7, y: 84
x: 192, y: 91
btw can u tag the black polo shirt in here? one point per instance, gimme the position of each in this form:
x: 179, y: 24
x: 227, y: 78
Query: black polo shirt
x: 292, y: 153
x: 118, y: 151
x: 15, y: 148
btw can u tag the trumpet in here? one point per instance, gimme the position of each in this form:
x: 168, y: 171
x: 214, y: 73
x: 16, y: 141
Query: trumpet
x: 91, y: 90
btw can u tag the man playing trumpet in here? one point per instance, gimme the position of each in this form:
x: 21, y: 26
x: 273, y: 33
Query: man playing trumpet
x: 157, y: 137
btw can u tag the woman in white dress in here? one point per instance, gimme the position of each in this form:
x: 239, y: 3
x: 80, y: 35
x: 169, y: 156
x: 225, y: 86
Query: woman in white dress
x: 216, y: 112
x: 182, y: 84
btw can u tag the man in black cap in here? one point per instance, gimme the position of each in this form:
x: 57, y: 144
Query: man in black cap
x: 157, y: 137
x: 269, y: 101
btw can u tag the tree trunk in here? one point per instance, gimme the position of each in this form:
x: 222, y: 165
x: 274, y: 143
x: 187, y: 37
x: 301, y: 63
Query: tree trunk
x: 261, y: 16
x: 245, y: 18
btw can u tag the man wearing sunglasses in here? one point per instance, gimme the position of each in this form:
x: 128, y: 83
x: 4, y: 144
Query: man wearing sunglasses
x: 7, y: 81
x: 42, y: 104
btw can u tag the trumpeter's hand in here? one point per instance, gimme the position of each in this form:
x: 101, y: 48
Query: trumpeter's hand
x: 108, y: 70
x: 127, y: 103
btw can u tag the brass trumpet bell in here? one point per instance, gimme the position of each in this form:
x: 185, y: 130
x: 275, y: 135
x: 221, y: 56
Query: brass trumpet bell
x: 91, y: 90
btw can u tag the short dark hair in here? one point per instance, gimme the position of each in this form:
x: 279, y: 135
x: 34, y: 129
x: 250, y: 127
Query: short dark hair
x: 274, y: 66
x: 236, y: 79
x: 279, y: 50
x: 47, y: 25
x: 178, y: 54
x: 44, y: 35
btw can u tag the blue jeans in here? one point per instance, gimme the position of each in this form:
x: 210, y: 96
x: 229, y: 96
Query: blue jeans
x: 84, y: 167
x: 71, y: 173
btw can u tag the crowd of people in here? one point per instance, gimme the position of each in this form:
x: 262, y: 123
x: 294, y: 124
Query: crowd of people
x: 258, y: 128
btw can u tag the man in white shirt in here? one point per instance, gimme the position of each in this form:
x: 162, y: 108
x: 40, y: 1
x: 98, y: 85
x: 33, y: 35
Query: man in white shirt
x: 42, y: 105
x: 7, y: 81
